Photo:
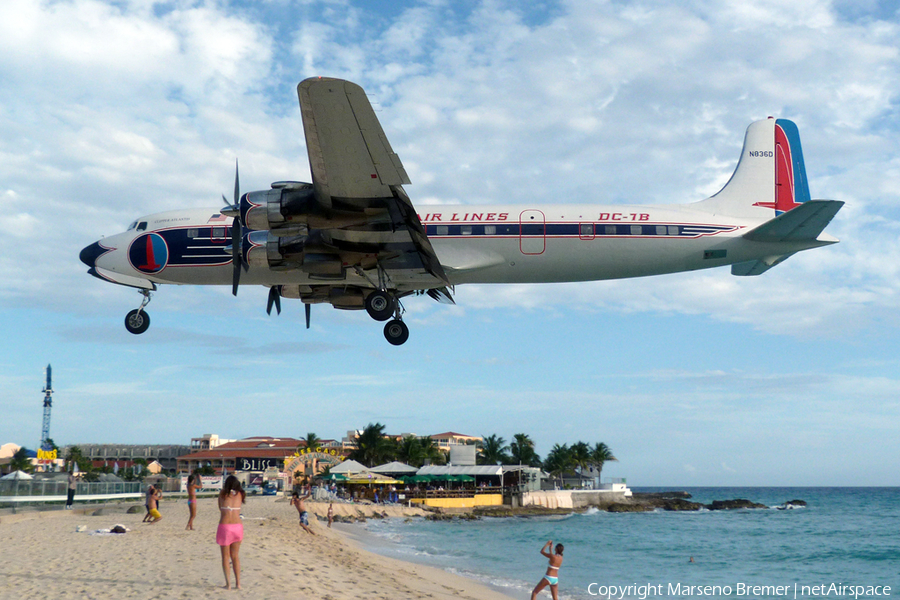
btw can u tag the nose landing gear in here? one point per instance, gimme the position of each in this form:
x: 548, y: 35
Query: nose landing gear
x: 137, y: 321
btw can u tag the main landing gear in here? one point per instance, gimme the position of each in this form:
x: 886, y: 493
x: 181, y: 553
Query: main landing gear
x: 137, y: 321
x: 381, y: 305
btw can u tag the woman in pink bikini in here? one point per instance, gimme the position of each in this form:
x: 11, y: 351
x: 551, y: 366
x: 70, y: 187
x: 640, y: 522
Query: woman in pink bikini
x: 552, y: 576
x: 231, y: 531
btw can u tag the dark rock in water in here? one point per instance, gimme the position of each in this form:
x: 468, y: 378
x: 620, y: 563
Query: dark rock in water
x: 135, y: 509
x: 677, y: 504
x: 792, y: 504
x: 661, y: 495
x: 621, y: 507
x: 733, y: 504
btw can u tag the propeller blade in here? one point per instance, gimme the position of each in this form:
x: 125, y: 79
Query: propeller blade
x: 307, y: 307
x: 274, y: 299
x: 236, y: 235
x: 237, y: 185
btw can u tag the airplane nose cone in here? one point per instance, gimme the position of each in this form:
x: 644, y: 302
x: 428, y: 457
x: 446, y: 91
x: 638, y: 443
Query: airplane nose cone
x: 90, y: 254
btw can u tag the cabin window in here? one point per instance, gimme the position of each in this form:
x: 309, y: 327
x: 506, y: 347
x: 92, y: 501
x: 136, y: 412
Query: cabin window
x: 142, y: 226
x: 636, y: 230
x: 490, y: 230
x: 586, y: 230
x: 193, y: 233
x: 609, y: 229
x: 661, y: 230
x: 218, y: 232
x: 466, y: 230
x: 673, y: 229
x: 132, y: 226
x: 443, y: 230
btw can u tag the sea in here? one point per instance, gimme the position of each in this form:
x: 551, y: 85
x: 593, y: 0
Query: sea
x: 844, y: 544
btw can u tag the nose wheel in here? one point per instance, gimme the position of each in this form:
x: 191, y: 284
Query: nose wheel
x: 138, y: 320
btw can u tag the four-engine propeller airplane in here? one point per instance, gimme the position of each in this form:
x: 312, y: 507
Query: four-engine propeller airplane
x: 353, y: 239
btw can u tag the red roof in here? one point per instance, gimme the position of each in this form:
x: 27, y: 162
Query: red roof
x: 256, y: 447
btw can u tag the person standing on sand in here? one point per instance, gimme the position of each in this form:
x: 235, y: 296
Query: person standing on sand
x: 230, y: 532
x: 70, y: 492
x: 330, y: 513
x: 192, y: 486
x: 297, y: 501
x: 552, y: 576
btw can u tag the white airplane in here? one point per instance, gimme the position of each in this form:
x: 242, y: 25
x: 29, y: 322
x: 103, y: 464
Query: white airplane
x: 353, y: 239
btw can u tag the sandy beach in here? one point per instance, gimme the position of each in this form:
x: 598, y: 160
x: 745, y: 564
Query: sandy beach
x: 43, y: 556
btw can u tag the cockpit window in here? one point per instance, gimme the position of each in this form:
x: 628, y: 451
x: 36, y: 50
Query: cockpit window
x: 142, y: 226
x: 132, y: 226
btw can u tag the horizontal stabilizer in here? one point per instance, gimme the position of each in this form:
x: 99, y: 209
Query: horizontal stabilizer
x: 757, y: 267
x: 802, y: 223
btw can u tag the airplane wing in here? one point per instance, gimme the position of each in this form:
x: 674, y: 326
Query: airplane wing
x: 354, y: 169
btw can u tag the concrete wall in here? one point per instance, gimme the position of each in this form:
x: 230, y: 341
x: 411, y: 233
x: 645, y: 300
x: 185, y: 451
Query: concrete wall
x: 574, y: 499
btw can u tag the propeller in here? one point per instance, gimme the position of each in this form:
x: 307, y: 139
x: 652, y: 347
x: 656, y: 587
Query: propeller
x: 237, y: 232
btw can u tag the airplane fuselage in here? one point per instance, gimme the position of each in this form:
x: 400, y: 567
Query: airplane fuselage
x: 475, y: 244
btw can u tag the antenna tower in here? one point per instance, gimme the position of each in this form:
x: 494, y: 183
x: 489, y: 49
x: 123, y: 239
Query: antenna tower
x: 48, y: 404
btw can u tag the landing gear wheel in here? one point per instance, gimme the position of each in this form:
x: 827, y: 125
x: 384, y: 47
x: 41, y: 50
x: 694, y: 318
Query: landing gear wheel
x: 380, y: 305
x: 137, y: 321
x: 396, y: 332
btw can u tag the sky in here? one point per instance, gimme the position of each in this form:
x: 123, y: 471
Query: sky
x: 110, y: 110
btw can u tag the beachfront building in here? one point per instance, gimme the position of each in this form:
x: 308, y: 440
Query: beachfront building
x: 124, y: 455
x: 262, y: 454
x: 449, y: 439
x: 207, y: 442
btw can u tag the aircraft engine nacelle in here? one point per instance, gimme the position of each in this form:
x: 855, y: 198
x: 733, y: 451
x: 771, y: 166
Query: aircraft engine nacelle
x: 287, y: 204
x: 303, y: 252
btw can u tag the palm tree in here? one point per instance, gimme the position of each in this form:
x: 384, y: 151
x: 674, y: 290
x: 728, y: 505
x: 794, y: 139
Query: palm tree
x: 432, y: 451
x: 20, y: 461
x: 493, y: 450
x: 581, y: 456
x: 372, y: 448
x: 601, y: 454
x: 558, y: 461
x: 410, y: 451
x: 311, y: 440
x: 522, y: 451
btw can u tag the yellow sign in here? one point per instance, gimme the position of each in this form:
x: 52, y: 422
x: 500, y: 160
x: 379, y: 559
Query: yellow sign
x: 46, y: 454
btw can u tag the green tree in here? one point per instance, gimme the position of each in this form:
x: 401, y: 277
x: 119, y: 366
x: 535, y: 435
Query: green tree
x: 522, y: 451
x: 493, y: 451
x: 601, y: 454
x: 372, y: 448
x: 559, y: 461
x: 20, y: 461
x: 580, y: 453
x: 432, y: 451
x: 312, y: 441
x: 410, y: 451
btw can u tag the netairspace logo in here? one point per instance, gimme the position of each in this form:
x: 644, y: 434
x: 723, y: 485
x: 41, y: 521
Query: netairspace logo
x: 738, y: 590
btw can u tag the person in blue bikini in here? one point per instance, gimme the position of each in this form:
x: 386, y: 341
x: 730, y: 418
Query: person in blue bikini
x: 552, y: 576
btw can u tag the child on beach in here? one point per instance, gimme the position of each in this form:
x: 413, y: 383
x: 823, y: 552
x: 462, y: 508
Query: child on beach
x: 153, y: 505
x: 230, y: 532
x: 330, y: 513
x: 297, y: 501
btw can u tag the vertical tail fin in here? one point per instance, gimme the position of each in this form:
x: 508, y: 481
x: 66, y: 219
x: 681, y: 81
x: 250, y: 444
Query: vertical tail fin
x: 770, y: 178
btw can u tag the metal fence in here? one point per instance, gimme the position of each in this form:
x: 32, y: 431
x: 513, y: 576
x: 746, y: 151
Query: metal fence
x: 36, y: 490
